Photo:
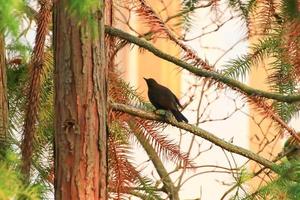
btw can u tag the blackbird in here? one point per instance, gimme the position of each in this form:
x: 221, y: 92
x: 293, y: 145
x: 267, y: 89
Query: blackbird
x: 163, y: 98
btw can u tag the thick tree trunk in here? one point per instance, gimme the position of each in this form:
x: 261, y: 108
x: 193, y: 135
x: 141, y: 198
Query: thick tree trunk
x: 80, y: 106
x: 3, y: 97
x: 110, y: 41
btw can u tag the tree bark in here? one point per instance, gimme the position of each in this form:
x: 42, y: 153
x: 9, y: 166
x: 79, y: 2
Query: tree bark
x: 3, y: 97
x: 80, y: 106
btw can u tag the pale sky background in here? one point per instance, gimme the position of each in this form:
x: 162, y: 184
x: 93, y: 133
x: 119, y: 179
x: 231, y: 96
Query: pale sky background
x: 236, y: 127
x: 208, y: 186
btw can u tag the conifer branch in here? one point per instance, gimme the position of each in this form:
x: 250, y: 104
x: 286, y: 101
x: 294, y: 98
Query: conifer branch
x: 34, y: 87
x: 198, y: 132
x: 201, y: 72
x: 168, y: 185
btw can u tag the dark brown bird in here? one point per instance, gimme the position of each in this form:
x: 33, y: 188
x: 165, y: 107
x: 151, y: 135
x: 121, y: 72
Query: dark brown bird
x: 163, y: 98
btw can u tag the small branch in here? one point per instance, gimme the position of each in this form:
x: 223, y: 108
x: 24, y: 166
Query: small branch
x: 168, y: 184
x: 201, y: 72
x: 186, y: 11
x: 198, y: 132
x: 278, y: 157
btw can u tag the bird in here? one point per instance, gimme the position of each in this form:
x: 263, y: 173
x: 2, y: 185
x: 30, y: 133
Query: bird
x: 163, y: 98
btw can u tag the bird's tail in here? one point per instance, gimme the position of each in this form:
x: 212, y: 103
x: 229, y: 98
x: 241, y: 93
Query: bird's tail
x: 179, y: 117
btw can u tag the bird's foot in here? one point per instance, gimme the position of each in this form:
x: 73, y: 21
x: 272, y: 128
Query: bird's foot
x: 164, y: 114
x: 159, y: 112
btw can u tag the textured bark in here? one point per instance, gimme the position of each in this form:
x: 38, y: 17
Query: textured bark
x: 109, y: 41
x: 3, y: 97
x: 109, y: 12
x: 80, y: 106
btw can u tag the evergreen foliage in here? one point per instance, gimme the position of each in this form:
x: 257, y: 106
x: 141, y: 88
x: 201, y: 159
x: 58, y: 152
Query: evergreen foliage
x: 272, y: 46
x: 83, y: 9
x: 188, y: 8
x: 285, y: 186
x: 10, y: 10
x: 240, y: 67
x: 11, y: 185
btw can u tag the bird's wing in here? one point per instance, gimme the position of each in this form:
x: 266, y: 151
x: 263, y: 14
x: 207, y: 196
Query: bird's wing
x: 172, y: 94
x: 177, y: 101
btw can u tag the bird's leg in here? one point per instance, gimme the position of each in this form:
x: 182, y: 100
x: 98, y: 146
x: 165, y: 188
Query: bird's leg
x: 159, y: 111
x: 156, y: 111
x: 163, y: 113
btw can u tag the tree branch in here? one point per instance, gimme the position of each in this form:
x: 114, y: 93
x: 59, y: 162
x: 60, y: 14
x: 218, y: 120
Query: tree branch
x: 168, y: 184
x: 201, y: 72
x: 198, y: 132
x: 186, y: 11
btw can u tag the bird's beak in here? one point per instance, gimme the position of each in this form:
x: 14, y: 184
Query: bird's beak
x: 145, y: 79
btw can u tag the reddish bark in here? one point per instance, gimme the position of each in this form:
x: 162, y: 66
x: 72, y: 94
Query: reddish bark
x: 3, y: 96
x: 80, y: 107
